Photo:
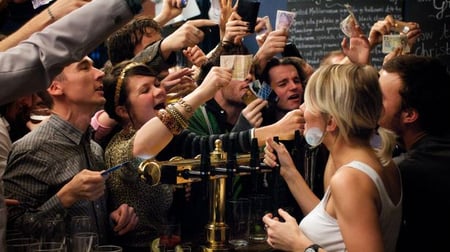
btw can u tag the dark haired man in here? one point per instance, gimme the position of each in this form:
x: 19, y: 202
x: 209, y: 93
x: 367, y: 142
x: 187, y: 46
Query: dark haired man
x: 416, y: 93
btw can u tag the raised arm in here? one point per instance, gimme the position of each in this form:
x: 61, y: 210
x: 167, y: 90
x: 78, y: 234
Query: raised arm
x: 154, y: 135
x: 46, y: 17
x: 170, y: 9
x: 273, y: 44
x: 31, y: 65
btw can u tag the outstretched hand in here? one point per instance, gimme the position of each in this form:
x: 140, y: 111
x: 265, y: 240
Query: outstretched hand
x: 187, y: 35
x: 217, y: 78
x: 195, y: 55
x: 179, y: 83
x: 357, y: 49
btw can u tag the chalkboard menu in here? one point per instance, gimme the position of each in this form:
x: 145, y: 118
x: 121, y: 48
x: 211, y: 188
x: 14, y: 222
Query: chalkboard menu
x: 433, y: 17
x: 316, y: 30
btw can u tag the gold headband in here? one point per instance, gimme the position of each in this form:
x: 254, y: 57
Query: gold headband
x: 120, y: 80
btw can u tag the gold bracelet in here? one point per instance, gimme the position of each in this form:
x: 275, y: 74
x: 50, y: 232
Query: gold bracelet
x: 186, y: 107
x: 181, y: 120
x: 168, y: 120
x: 52, y: 17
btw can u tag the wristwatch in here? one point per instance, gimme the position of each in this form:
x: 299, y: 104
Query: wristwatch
x: 312, y: 248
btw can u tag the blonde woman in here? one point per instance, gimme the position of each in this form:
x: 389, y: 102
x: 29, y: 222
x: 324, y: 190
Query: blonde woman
x: 361, y: 208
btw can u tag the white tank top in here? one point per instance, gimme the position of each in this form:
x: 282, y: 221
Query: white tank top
x: 322, y: 229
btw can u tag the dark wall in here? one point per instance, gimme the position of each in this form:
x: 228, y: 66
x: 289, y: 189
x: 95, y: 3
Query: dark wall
x: 434, y: 19
x: 317, y: 31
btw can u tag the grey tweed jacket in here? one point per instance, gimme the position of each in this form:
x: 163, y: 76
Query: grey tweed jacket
x: 29, y: 66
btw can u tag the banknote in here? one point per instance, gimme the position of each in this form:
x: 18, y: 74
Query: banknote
x: 240, y: 64
x: 267, y: 27
x: 284, y: 19
x: 348, y: 25
x: 391, y: 42
x: 39, y: 3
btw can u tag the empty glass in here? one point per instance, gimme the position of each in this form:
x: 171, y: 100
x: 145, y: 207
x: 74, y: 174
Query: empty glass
x: 238, y: 216
x: 107, y: 248
x: 22, y: 244
x: 80, y: 224
x: 260, y: 205
x: 84, y: 242
x: 50, y: 247
x: 3, y: 219
x: 54, y: 231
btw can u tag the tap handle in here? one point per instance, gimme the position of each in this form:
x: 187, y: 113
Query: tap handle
x: 276, y: 183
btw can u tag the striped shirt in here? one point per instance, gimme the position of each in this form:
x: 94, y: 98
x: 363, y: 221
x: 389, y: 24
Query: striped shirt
x: 39, y: 165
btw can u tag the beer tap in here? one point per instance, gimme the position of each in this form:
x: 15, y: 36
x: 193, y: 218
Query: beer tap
x: 254, y: 164
x: 276, y: 183
x: 231, y: 167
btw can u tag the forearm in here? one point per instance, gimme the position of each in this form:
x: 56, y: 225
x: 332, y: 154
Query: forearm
x: 162, y: 19
x: 28, y: 190
x: 259, y: 63
x: 65, y: 196
x: 242, y: 124
x: 156, y: 57
x: 168, y: 11
x: 166, y: 50
x: 302, y: 193
x: 154, y: 135
x: 37, y: 23
x: 27, y: 218
x: 188, y: 144
x: 151, y: 138
x: 269, y: 131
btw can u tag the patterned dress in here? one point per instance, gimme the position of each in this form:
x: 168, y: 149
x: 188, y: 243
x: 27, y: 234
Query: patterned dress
x: 151, y: 203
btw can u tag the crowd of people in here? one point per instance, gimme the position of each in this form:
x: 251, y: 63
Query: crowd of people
x: 379, y: 138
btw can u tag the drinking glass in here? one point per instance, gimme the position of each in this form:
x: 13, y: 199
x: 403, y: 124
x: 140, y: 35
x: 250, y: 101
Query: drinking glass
x: 50, y: 247
x: 260, y: 205
x: 169, y: 237
x: 21, y: 244
x: 185, y: 248
x: 238, y: 216
x: 84, y: 241
x: 80, y: 224
x: 3, y: 218
x: 14, y: 233
x: 107, y: 248
x: 54, y: 230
